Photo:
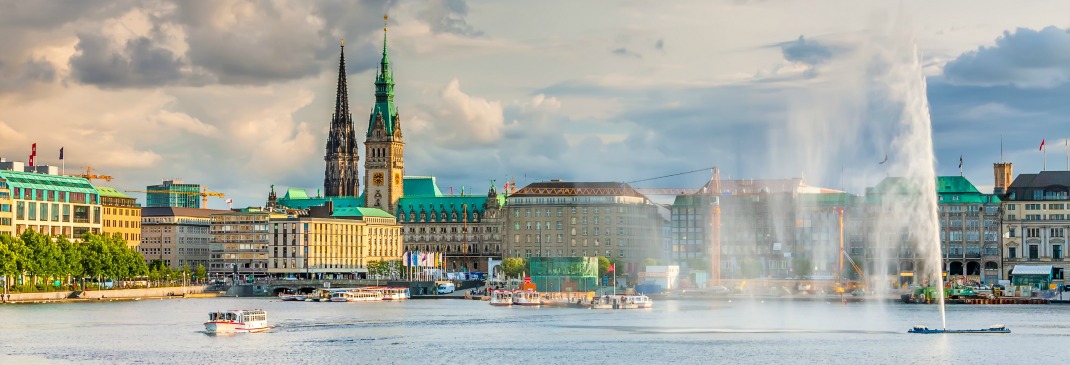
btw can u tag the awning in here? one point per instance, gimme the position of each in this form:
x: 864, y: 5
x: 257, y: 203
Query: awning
x: 1031, y: 270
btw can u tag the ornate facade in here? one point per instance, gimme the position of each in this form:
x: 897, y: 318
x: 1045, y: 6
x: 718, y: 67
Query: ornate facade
x: 340, y: 176
x: 384, y: 151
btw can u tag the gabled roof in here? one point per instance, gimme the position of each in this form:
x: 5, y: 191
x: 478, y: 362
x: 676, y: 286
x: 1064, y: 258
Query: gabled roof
x: 571, y: 188
x: 111, y: 193
x: 1041, y: 180
x: 354, y: 212
x: 179, y: 212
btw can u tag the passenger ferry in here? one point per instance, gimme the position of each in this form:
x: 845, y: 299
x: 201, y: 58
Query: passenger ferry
x: 526, y: 298
x: 389, y: 293
x: 641, y: 301
x: 356, y: 296
x: 501, y: 298
x: 237, y: 320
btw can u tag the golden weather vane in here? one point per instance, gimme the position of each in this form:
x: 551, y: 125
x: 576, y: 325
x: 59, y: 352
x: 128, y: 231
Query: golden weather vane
x: 385, y: 18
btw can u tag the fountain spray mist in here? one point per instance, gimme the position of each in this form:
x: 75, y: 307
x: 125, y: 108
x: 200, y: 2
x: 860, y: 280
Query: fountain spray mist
x: 866, y: 111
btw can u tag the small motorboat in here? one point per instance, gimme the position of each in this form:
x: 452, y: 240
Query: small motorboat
x: 996, y: 328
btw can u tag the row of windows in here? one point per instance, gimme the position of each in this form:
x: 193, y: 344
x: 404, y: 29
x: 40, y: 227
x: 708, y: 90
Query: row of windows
x: 1035, y: 232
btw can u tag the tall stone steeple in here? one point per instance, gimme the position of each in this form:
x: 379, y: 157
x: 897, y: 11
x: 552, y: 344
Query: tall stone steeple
x: 340, y: 177
x: 384, y: 156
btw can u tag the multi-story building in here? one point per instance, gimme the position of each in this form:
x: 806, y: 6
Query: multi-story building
x: 339, y: 242
x: 1036, y: 221
x: 969, y: 230
x: 177, y: 236
x: 7, y: 216
x: 573, y: 219
x: 50, y: 204
x: 322, y: 242
x: 239, y: 242
x: 466, y: 229
x: 121, y: 214
x: 173, y: 193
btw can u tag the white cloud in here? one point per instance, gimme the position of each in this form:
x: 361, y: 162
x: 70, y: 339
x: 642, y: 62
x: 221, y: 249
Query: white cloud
x: 460, y: 119
x: 183, y: 121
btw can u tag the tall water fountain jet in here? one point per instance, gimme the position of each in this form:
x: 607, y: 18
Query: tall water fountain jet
x: 868, y: 104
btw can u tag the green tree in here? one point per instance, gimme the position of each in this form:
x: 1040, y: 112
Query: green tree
x: 751, y: 268
x: 649, y: 261
x: 603, y: 265
x: 201, y: 273
x: 802, y: 268
x: 514, y: 266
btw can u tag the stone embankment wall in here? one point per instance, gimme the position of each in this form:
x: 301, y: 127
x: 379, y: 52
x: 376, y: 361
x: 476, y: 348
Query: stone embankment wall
x: 105, y: 294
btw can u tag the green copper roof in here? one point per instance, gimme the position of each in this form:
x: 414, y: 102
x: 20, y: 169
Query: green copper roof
x: 384, y: 96
x: 360, y: 212
x: 954, y: 184
x: 111, y: 193
x: 443, y: 207
x: 30, y: 180
x: 421, y: 186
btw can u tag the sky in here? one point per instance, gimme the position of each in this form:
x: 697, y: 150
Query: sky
x: 238, y: 95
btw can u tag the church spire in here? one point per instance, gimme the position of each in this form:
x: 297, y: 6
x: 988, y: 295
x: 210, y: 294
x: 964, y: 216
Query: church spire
x: 384, y: 93
x: 340, y: 176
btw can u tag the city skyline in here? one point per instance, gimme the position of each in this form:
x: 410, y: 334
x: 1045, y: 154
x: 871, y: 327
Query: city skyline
x: 151, y: 91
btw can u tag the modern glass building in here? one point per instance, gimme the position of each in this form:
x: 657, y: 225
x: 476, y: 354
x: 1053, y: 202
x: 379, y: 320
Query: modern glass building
x: 173, y: 193
x: 50, y: 204
x: 564, y: 274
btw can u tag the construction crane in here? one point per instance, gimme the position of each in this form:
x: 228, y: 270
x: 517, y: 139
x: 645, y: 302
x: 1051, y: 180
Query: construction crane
x: 204, y: 194
x: 89, y: 175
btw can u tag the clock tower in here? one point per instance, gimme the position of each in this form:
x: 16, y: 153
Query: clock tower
x: 384, y: 150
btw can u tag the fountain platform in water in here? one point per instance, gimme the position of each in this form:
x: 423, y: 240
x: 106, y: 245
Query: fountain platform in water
x: 998, y: 328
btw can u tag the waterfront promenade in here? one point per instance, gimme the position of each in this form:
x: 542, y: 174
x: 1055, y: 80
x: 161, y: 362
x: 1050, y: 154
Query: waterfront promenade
x: 109, y: 295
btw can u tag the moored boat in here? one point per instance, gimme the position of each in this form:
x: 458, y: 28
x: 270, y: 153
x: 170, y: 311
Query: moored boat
x: 526, y: 298
x: 237, y: 320
x: 389, y: 293
x: 501, y: 298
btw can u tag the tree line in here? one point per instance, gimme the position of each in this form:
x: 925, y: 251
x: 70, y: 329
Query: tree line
x: 34, y: 262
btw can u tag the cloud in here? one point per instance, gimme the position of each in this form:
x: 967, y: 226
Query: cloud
x: 1024, y: 58
x: 808, y: 52
x: 659, y: 45
x: 448, y: 16
x: 459, y: 119
x: 182, y: 121
x: 623, y: 51
x: 139, y: 63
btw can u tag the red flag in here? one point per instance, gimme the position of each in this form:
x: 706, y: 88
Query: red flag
x: 1041, y: 144
x: 611, y: 267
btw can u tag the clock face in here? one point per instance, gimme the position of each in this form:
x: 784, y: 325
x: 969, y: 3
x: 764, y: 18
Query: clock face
x: 377, y: 178
x: 397, y: 178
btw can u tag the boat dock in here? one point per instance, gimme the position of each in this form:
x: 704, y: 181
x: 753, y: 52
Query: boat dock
x: 1001, y: 300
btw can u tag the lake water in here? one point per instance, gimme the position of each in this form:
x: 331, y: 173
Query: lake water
x: 461, y: 331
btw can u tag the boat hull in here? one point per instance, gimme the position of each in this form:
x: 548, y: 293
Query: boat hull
x: 233, y: 327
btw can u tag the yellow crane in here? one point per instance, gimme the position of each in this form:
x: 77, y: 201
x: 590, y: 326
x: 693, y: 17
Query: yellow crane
x: 204, y: 193
x: 89, y: 175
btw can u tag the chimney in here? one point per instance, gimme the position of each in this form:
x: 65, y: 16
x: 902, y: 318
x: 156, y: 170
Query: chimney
x: 1003, y: 172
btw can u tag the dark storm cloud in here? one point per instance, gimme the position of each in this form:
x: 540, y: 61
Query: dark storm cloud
x: 804, y: 51
x: 448, y: 16
x: 47, y: 15
x: 138, y: 64
x: 1025, y: 58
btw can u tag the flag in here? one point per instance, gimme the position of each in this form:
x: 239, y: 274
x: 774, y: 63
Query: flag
x: 230, y: 201
x: 1041, y: 144
x: 884, y: 160
x: 612, y: 267
x: 61, y: 153
x: 960, y: 161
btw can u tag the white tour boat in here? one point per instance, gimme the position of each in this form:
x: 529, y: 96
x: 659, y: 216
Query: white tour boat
x: 237, y: 320
x: 389, y: 293
x: 501, y: 298
x: 639, y: 301
x: 526, y: 298
x: 356, y: 296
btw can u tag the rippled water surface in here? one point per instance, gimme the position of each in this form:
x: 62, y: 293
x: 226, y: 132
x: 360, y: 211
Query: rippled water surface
x: 461, y: 331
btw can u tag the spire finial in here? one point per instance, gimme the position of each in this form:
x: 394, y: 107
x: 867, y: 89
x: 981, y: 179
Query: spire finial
x: 343, y: 42
x: 385, y: 18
